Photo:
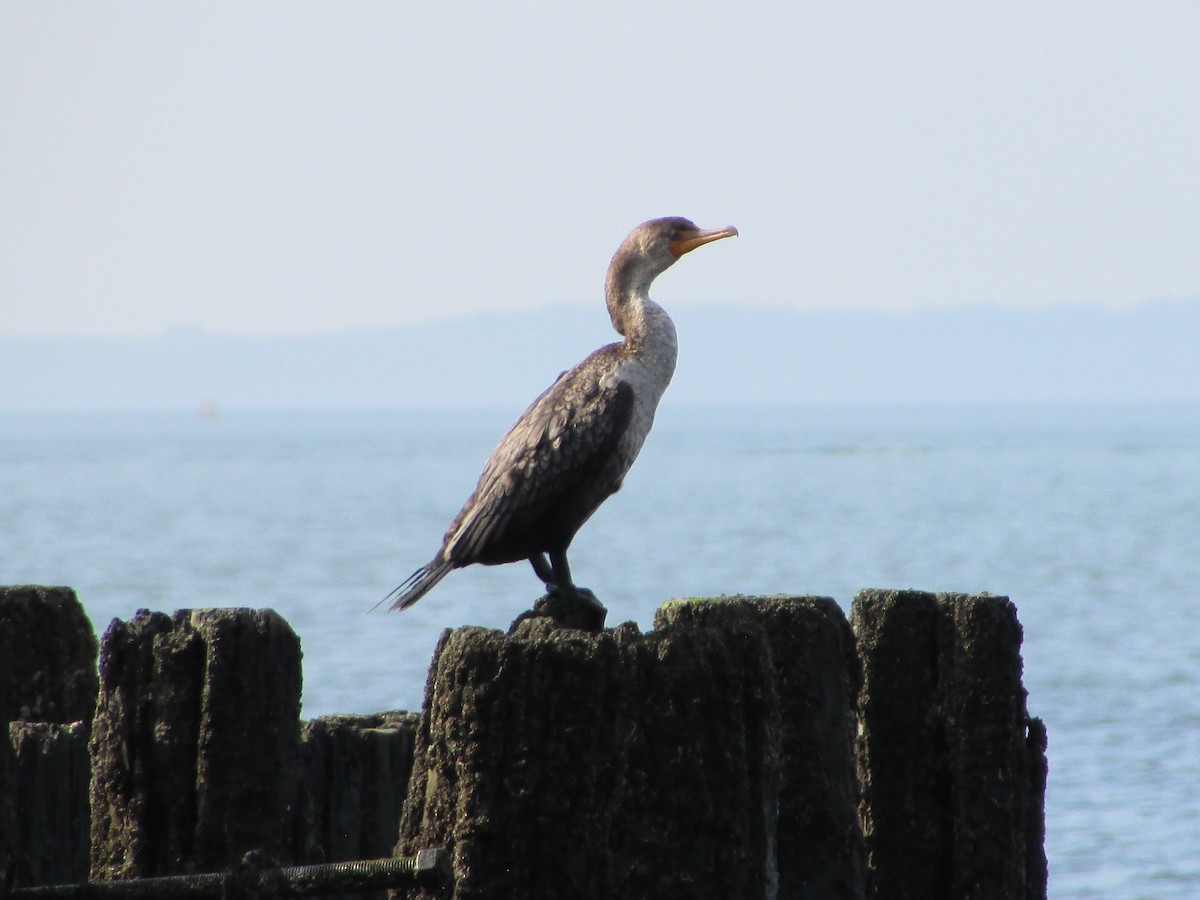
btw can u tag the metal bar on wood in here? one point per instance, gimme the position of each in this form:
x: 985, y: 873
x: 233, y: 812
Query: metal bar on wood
x: 250, y: 880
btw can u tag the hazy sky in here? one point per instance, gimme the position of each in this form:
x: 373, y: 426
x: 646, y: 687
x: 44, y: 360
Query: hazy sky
x: 287, y: 168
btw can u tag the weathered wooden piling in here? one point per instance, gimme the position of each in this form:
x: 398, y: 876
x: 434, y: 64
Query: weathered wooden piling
x: 199, y: 754
x: 48, y: 673
x: 8, y: 769
x: 47, y: 697
x: 711, y: 757
x: 354, y: 780
x: 949, y: 760
x: 196, y: 743
x: 558, y: 763
x: 746, y: 747
x: 818, y: 844
x: 50, y: 842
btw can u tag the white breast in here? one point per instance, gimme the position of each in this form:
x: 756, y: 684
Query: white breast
x: 647, y: 368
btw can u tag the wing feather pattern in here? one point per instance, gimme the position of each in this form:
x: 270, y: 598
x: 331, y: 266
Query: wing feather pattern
x: 560, y: 456
x: 563, y: 445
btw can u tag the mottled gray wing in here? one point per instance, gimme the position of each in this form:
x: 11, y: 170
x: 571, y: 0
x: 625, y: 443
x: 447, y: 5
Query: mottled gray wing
x: 566, y: 435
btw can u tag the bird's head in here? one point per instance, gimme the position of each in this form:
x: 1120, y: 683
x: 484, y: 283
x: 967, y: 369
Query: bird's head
x: 652, y: 248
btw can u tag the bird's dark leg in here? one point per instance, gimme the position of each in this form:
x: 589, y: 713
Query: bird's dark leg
x: 565, y: 586
x: 543, y: 570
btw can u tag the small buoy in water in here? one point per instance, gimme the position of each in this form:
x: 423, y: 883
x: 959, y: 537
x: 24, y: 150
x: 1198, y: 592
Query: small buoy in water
x: 208, y: 410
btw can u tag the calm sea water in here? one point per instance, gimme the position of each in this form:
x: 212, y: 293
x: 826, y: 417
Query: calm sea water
x: 1087, y: 516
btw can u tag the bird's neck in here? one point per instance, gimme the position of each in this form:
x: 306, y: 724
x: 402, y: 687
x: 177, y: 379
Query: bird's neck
x: 648, y: 330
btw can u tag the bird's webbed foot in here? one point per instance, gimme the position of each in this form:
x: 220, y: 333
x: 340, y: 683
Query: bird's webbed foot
x: 573, y: 594
x: 569, y: 606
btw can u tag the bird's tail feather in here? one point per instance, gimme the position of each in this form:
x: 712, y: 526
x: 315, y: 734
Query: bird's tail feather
x: 418, y: 584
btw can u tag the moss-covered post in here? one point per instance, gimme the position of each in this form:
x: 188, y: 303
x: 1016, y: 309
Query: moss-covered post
x: 555, y: 762
x: 711, y: 757
x: 818, y: 844
x: 195, y: 746
x: 51, y: 794
x: 48, y: 690
x: 49, y: 665
x: 355, y: 777
x: 8, y: 771
x: 949, y: 760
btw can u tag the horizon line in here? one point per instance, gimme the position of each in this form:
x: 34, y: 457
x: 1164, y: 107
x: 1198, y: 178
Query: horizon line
x: 185, y: 330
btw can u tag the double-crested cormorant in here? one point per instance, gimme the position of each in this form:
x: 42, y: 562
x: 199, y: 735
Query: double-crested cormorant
x: 570, y: 450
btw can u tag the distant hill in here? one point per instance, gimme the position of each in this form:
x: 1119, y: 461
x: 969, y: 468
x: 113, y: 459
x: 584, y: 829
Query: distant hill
x: 727, y: 356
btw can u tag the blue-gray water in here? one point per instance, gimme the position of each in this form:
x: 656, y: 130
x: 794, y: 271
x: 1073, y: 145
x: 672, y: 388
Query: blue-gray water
x: 1087, y: 516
